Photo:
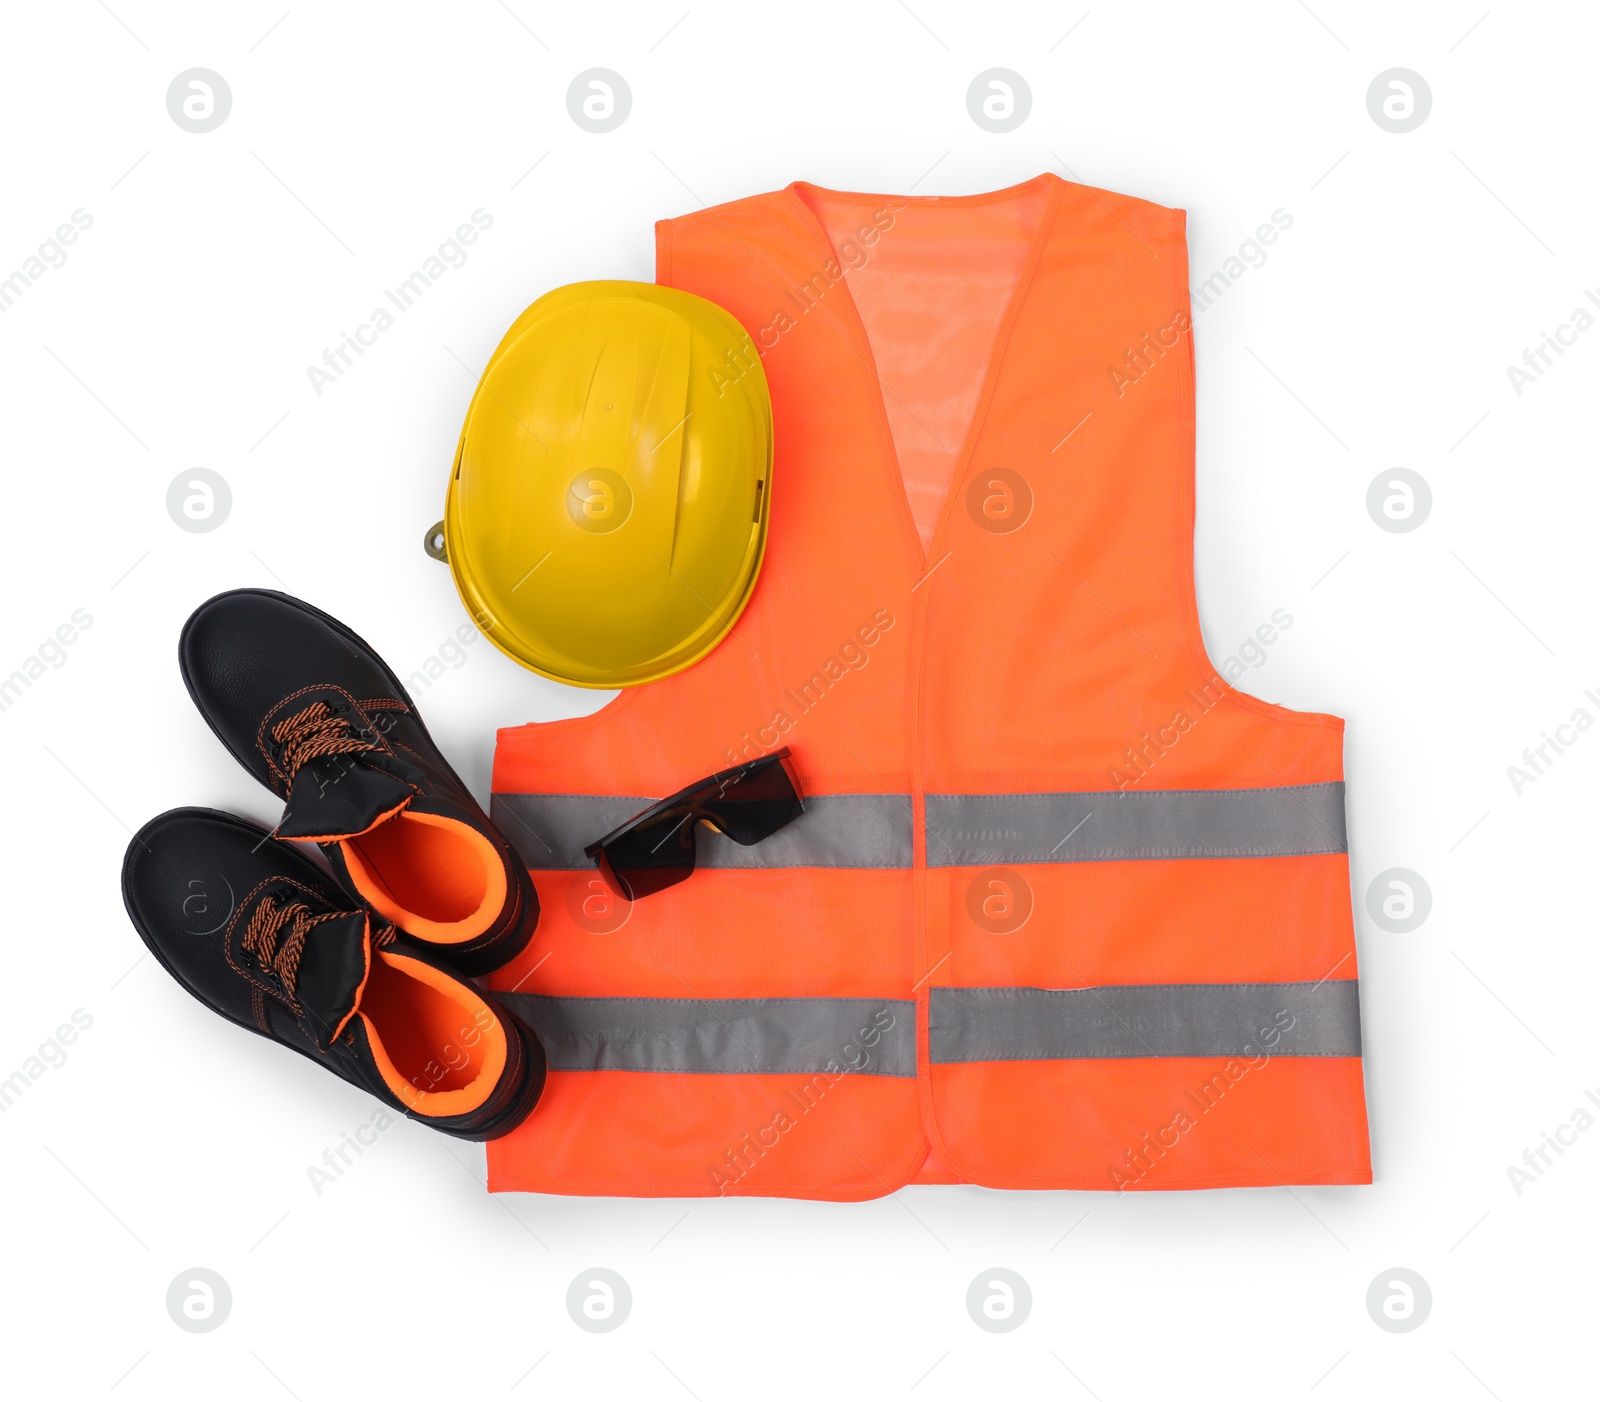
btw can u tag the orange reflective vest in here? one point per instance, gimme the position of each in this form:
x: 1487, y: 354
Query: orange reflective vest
x: 1065, y: 909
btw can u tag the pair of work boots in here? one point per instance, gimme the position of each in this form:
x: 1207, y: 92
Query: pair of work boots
x: 362, y: 973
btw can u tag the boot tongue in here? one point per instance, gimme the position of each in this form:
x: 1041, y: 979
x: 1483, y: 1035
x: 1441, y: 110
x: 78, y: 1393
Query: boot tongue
x: 336, y: 796
x: 333, y: 971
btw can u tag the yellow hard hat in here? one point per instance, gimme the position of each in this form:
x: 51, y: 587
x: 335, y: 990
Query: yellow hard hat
x: 608, y: 507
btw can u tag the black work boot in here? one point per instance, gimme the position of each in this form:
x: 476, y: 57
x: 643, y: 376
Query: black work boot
x: 259, y: 934
x: 317, y: 717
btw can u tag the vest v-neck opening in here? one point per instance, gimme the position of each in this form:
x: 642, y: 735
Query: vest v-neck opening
x: 931, y: 283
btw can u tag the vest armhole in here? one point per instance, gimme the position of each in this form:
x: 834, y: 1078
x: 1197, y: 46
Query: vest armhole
x: 1191, y: 603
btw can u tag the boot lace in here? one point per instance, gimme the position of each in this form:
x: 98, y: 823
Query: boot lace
x: 316, y: 731
x: 277, y: 935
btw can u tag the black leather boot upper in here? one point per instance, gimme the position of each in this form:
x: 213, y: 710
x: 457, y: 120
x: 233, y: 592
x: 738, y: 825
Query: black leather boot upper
x: 313, y: 712
x: 259, y: 934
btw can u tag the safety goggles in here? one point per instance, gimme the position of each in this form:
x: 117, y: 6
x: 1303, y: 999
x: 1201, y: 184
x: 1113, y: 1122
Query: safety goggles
x: 656, y: 848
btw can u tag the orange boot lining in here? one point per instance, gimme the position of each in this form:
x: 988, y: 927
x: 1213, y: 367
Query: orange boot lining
x: 435, y: 878
x: 437, y: 1043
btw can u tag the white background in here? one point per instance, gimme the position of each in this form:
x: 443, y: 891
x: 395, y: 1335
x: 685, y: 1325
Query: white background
x: 176, y: 336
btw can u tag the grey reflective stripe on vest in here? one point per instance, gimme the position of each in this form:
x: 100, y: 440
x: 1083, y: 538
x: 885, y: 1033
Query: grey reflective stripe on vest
x: 550, y: 831
x: 836, y: 830
x: 988, y: 829
x: 724, y: 1036
x: 1244, y: 1020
